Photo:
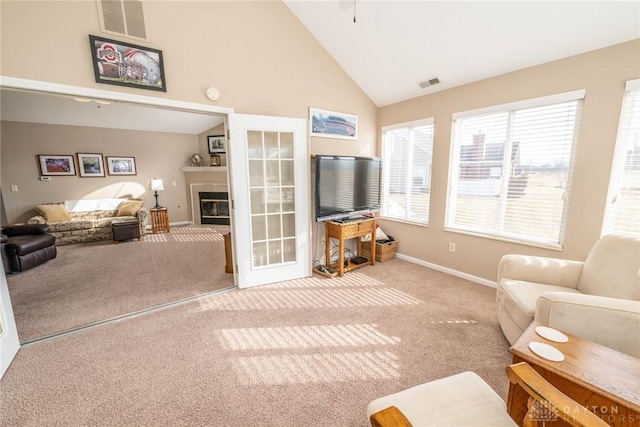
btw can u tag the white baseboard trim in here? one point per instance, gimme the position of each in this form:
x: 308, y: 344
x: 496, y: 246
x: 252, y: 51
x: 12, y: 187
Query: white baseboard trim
x: 178, y: 224
x: 456, y: 273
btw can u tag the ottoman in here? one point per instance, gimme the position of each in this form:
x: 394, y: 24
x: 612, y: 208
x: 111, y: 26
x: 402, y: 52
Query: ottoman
x: 125, y: 230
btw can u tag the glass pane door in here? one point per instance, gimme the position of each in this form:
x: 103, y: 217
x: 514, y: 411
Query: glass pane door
x: 272, y: 188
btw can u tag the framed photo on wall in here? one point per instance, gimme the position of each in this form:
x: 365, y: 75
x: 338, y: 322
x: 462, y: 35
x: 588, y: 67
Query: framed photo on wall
x: 121, y: 165
x: 56, y: 165
x: 125, y: 64
x: 331, y: 124
x: 90, y: 165
x: 216, y: 143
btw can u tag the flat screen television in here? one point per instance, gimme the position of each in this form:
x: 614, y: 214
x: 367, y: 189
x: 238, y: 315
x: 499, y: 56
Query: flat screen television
x: 346, y: 186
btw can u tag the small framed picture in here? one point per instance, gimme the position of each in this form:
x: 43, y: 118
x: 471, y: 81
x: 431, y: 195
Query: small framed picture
x: 90, y: 165
x: 216, y: 143
x: 55, y: 165
x: 121, y: 165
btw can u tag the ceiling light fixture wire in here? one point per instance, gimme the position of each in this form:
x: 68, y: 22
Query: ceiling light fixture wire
x: 354, y: 11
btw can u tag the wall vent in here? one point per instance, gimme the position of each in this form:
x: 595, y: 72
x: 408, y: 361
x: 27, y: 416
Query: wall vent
x: 122, y: 17
x: 430, y: 82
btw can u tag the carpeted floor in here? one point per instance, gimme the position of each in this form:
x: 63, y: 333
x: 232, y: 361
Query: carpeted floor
x: 92, y: 282
x: 307, y: 352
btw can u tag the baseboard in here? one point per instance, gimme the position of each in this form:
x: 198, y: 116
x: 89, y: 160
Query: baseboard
x: 180, y: 223
x: 456, y: 273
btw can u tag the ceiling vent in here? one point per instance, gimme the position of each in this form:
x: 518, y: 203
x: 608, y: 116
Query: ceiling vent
x: 429, y: 82
x: 122, y: 17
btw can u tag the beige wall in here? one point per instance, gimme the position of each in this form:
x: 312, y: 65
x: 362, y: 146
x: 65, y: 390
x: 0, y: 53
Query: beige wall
x: 602, y: 74
x: 157, y: 155
x: 257, y: 54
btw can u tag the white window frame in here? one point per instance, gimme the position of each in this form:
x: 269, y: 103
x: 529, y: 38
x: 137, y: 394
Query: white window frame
x: 628, y: 133
x: 387, y: 170
x: 454, y: 169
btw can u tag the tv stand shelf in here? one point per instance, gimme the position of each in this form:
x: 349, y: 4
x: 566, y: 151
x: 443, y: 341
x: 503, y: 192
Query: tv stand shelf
x: 349, y: 230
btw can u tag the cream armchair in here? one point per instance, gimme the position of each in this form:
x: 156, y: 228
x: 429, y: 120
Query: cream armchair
x: 598, y: 299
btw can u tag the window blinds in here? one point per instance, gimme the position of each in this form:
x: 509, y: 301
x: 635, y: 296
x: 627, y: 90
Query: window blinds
x: 622, y: 214
x: 407, y: 152
x: 510, y: 171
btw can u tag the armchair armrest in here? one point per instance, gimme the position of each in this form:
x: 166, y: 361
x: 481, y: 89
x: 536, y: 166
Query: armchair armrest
x: 25, y: 229
x: 550, y: 397
x: 551, y: 271
x: 610, y: 322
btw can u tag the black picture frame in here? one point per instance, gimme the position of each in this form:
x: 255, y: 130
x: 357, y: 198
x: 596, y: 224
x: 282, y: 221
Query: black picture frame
x: 215, y: 143
x: 125, y: 64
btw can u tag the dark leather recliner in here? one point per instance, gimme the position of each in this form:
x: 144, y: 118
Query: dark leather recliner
x: 27, y: 246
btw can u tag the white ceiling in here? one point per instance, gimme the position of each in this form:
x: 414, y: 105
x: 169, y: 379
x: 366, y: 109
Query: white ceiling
x: 394, y: 44
x: 36, y: 107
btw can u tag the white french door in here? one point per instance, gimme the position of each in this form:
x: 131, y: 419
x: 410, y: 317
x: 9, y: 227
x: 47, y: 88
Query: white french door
x: 9, y: 343
x: 269, y: 171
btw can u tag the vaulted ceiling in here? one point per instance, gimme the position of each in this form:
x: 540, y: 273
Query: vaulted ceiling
x: 393, y: 45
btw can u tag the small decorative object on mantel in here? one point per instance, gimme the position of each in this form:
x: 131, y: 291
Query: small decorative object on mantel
x: 196, y: 159
x: 215, y: 159
x: 124, y: 64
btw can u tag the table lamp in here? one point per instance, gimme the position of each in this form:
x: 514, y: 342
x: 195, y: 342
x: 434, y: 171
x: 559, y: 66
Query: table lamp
x: 156, y: 185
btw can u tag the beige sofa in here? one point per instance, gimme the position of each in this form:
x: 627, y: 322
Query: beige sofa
x: 83, y: 221
x: 598, y: 299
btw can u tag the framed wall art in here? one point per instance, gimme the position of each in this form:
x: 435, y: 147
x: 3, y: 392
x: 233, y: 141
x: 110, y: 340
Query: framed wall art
x: 121, y: 165
x: 125, y: 64
x: 90, y: 165
x: 216, y: 143
x: 56, y: 165
x: 330, y: 124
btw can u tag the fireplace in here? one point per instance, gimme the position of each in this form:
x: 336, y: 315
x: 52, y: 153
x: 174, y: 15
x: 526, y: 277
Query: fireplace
x: 214, y: 207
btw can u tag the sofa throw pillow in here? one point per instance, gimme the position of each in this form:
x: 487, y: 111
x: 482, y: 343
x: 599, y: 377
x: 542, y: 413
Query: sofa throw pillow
x: 129, y: 208
x: 55, y: 212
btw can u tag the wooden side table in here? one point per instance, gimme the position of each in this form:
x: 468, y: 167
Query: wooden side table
x: 159, y: 220
x: 349, y: 230
x: 597, y: 377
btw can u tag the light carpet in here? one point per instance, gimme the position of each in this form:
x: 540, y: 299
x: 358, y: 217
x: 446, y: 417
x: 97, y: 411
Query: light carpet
x: 306, y: 352
x: 92, y: 282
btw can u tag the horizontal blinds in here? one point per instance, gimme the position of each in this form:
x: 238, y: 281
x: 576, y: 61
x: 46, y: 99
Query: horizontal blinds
x: 622, y: 213
x: 408, y: 153
x: 510, y: 173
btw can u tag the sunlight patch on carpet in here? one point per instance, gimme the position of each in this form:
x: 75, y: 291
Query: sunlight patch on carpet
x: 324, y: 298
x: 453, y: 321
x: 350, y: 280
x: 154, y: 238
x: 316, y: 368
x: 315, y: 336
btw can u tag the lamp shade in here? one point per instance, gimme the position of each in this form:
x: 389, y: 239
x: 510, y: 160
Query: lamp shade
x: 156, y: 185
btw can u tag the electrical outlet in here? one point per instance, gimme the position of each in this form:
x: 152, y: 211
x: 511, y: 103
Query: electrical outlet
x: 452, y: 247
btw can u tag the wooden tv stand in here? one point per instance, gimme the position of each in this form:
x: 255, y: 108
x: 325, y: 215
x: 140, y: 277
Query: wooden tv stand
x: 349, y: 230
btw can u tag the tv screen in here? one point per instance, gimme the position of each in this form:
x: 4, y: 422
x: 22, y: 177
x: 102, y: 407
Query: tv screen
x: 346, y: 186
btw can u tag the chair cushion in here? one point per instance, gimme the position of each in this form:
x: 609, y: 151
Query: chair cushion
x: 612, y: 268
x: 23, y: 245
x: 460, y: 400
x: 519, y: 298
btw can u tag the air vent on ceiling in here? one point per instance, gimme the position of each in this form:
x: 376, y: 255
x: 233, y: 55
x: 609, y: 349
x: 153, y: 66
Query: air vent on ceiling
x: 429, y: 82
x: 123, y: 17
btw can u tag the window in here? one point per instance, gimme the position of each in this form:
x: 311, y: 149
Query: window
x: 622, y: 214
x: 510, y: 169
x: 407, y: 152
